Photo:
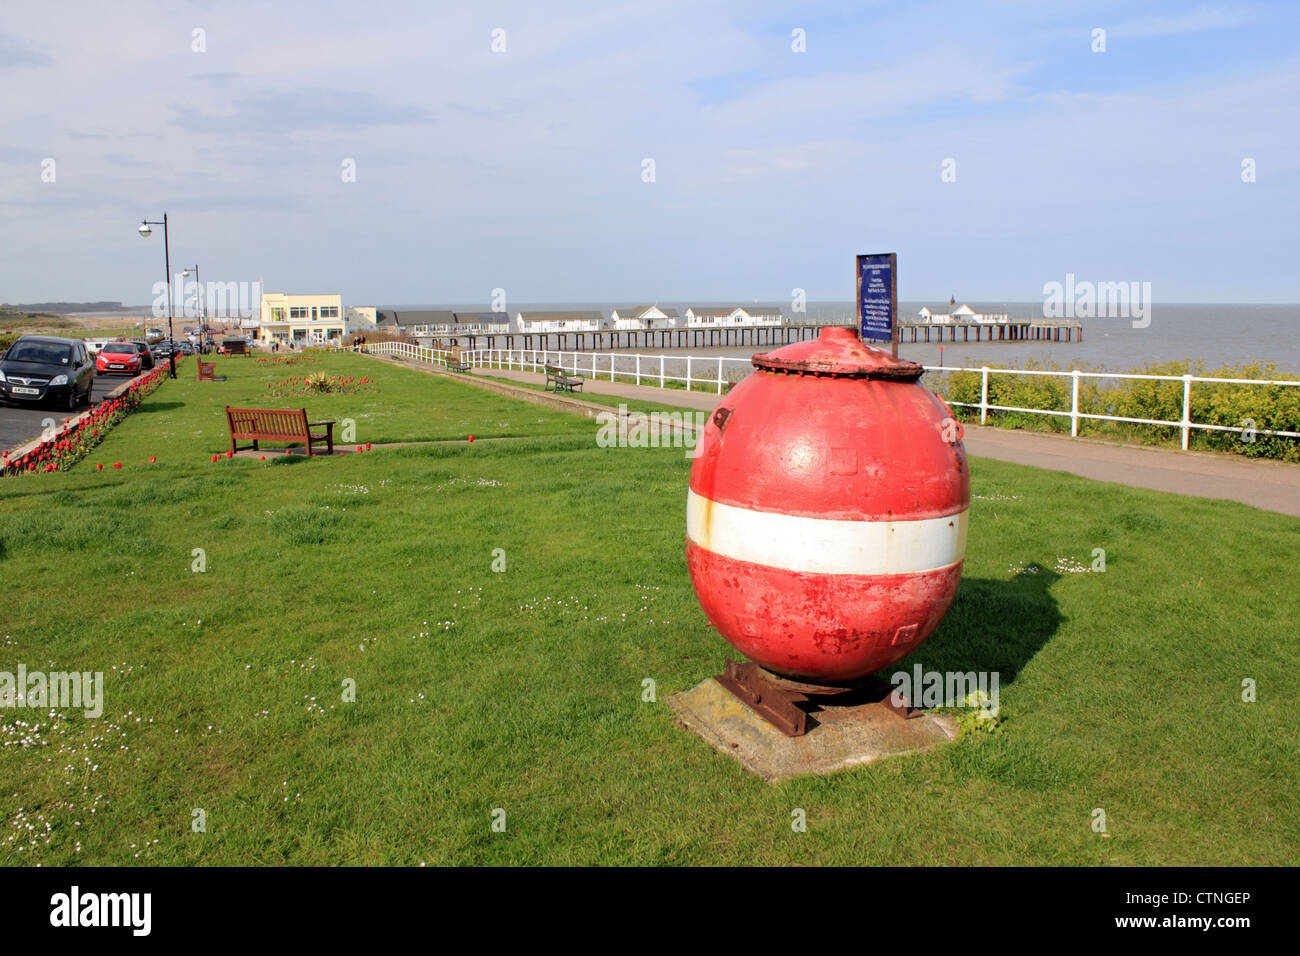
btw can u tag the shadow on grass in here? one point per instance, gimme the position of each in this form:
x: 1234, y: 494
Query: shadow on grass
x: 994, y: 624
x: 151, y: 407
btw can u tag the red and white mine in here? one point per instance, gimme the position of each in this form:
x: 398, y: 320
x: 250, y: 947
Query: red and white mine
x: 826, y: 518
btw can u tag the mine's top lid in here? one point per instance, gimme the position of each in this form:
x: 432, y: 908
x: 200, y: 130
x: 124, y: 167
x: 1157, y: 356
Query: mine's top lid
x: 839, y: 353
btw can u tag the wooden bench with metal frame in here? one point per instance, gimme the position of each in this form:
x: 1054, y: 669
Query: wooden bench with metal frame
x: 455, y: 361
x: 207, y: 371
x: 276, y: 424
x: 561, y: 381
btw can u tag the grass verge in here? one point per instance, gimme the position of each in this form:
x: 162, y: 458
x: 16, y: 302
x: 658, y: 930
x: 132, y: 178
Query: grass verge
x: 521, y: 689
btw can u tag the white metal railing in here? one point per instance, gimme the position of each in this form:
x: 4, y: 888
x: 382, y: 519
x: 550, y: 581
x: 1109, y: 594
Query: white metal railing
x: 1186, y: 425
x: 409, y: 350
x: 711, y: 373
x: 653, y: 370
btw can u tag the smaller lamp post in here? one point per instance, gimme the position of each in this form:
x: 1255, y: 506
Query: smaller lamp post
x: 198, y: 296
x: 145, y: 233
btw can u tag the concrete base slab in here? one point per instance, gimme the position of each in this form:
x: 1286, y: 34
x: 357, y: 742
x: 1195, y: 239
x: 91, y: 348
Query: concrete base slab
x: 847, y: 732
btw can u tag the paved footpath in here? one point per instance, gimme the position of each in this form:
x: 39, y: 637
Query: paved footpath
x: 1272, y: 485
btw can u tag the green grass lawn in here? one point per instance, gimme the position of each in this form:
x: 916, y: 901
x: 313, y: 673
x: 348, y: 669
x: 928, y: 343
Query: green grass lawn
x: 613, y: 401
x: 522, y: 690
x: 401, y: 405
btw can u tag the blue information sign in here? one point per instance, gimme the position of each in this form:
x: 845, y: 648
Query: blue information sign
x: 877, y: 296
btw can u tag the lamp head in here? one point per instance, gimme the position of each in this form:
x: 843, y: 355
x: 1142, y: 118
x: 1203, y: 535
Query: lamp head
x: 145, y: 231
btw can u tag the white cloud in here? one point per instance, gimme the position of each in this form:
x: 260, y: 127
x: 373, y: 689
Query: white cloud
x: 468, y: 158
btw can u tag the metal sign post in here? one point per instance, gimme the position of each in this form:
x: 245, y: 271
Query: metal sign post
x: 877, y: 295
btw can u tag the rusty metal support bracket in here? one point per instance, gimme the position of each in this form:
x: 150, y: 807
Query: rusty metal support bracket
x: 882, y: 692
x: 776, y: 699
x: 773, y: 703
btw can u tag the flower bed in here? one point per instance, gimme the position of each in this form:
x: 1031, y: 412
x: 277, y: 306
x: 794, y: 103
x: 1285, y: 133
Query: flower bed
x: 74, y: 441
x: 319, y: 383
x: 284, y: 359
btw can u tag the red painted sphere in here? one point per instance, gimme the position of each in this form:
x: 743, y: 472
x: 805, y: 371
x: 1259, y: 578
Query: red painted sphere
x: 826, y: 519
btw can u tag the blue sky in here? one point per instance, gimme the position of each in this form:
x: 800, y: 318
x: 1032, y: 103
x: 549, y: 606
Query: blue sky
x: 523, y: 169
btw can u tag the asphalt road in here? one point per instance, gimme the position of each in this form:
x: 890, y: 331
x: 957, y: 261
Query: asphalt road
x: 22, y: 423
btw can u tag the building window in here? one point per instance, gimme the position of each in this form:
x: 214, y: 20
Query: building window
x: 298, y: 312
x: 329, y: 312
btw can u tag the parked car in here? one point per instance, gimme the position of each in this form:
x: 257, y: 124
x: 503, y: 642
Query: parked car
x: 43, y: 368
x: 146, y: 356
x: 187, y: 348
x: 121, y: 357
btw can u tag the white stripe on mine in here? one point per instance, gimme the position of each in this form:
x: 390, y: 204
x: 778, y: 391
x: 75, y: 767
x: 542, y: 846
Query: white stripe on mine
x: 826, y: 545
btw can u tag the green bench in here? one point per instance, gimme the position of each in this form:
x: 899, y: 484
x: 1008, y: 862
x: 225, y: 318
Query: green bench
x: 557, y: 379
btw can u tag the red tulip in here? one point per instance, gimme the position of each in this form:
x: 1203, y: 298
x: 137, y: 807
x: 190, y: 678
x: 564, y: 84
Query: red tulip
x: 262, y: 458
x: 358, y: 449
x: 230, y: 454
x: 99, y: 467
x: 367, y: 446
x: 117, y: 464
x: 152, y: 459
x: 215, y: 457
x: 471, y: 437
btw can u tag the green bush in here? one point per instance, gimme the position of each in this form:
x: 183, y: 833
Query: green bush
x: 1259, y: 407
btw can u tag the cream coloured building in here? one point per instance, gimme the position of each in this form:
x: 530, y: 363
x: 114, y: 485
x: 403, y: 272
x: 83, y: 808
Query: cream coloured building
x: 303, y: 319
x: 559, y: 321
x: 358, y: 318
x: 962, y: 313
x: 710, y: 317
x: 643, y: 317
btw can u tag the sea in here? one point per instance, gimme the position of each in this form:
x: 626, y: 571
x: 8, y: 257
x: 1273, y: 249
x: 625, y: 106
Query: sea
x: 1217, y: 335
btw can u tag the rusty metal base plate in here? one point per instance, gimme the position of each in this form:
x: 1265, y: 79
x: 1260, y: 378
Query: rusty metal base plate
x: 843, y: 733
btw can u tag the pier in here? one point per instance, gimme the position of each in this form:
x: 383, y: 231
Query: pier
x: 608, y: 340
x: 1017, y: 330
x: 721, y: 337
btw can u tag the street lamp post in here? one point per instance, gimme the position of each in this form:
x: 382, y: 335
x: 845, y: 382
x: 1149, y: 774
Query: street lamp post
x: 198, y: 297
x: 145, y: 233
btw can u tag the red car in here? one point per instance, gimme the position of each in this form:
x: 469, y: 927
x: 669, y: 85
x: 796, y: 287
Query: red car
x: 120, y: 357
